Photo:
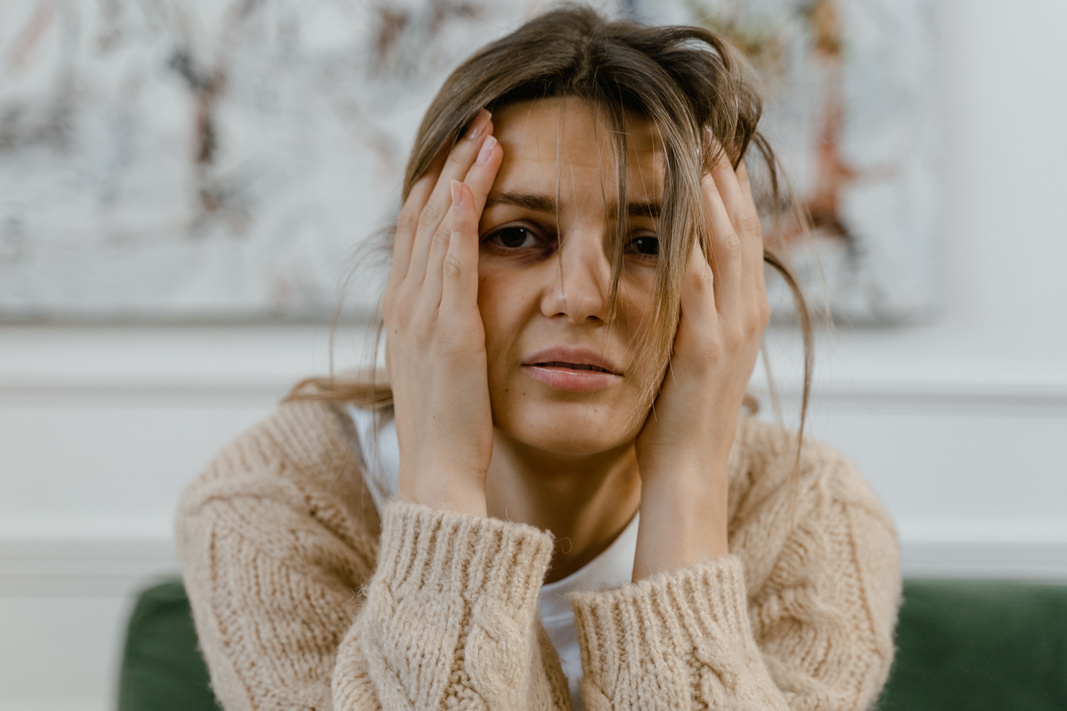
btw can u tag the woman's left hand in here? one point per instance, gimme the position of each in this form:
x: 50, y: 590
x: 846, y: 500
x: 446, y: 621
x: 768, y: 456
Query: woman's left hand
x: 683, y: 448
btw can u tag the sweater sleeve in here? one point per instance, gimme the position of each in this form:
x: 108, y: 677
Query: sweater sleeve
x: 817, y: 635
x: 292, y: 615
x: 450, y: 617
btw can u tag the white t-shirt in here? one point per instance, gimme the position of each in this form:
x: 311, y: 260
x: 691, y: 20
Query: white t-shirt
x: 612, y: 568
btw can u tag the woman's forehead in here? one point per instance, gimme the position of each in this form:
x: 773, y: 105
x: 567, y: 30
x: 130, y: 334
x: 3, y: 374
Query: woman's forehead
x: 562, y: 145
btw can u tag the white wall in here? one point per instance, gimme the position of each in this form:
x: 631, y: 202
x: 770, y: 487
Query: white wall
x: 959, y: 422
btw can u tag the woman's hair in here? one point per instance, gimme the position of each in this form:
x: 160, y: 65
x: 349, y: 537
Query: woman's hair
x: 690, y: 83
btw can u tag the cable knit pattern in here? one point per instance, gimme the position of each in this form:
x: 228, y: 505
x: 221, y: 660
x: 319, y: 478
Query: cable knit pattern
x: 305, y: 598
x: 675, y: 641
x: 473, y: 583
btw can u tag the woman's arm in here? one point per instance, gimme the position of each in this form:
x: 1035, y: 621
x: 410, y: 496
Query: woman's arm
x: 435, y: 339
x: 810, y: 628
x: 297, y: 606
x: 451, y: 617
x: 684, y: 446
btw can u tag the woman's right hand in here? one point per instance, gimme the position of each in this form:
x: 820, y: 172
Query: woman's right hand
x: 435, y: 340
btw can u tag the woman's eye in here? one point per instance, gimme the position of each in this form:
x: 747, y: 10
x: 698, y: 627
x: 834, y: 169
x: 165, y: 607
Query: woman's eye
x: 643, y: 245
x: 516, y: 237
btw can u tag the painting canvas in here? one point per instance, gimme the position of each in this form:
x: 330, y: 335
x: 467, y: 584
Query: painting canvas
x: 850, y: 111
x: 223, y: 161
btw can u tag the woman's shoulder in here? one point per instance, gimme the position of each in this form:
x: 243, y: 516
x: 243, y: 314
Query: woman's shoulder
x: 304, y: 455
x: 279, y: 514
x: 811, y: 507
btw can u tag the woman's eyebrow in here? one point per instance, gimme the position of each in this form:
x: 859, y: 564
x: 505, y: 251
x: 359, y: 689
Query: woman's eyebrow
x: 545, y: 203
x: 644, y: 209
x: 530, y: 201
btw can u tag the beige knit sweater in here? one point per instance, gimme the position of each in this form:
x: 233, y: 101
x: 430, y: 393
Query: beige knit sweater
x: 304, y: 598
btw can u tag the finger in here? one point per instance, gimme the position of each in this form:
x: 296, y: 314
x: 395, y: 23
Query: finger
x: 408, y: 221
x: 729, y: 187
x: 698, y: 289
x: 479, y: 179
x: 756, y: 246
x: 746, y: 185
x: 435, y: 213
x: 459, y: 273
x: 745, y: 218
x: 482, y: 174
x: 725, y: 248
x: 737, y: 198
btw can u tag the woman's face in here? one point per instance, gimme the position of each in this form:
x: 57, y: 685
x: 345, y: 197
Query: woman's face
x: 562, y: 376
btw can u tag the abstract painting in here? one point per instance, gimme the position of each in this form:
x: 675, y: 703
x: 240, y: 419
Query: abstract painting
x: 851, y: 113
x: 206, y: 160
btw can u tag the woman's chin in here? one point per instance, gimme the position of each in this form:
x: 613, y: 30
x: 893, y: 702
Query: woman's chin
x: 574, y: 434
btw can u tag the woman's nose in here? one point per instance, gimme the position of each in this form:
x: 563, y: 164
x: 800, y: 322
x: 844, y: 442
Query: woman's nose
x: 580, y: 288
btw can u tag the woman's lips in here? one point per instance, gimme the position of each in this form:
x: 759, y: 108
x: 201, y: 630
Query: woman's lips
x: 571, y: 377
x: 573, y: 369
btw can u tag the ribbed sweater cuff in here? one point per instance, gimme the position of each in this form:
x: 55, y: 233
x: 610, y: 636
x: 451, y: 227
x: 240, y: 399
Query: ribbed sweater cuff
x: 426, y: 550
x: 666, y: 615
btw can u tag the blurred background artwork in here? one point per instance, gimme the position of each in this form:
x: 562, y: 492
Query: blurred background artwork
x: 219, y: 161
x: 851, y: 113
x: 208, y: 160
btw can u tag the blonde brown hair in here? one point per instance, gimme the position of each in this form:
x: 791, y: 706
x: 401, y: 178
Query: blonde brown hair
x: 689, y: 82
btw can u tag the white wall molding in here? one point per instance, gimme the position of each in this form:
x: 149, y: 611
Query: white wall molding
x: 36, y: 704
x: 926, y: 395
x: 1037, y: 561
x: 255, y: 362
x: 92, y: 389
x: 79, y: 566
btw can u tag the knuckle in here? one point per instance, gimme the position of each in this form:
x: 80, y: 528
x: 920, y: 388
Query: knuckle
x: 453, y: 267
x: 752, y: 330
x: 705, y: 276
x: 441, y: 237
x: 449, y: 342
x: 712, y: 351
x: 394, y: 317
x: 431, y: 215
x: 731, y: 245
x: 764, y: 311
x: 733, y: 335
x: 407, y: 220
x: 749, y: 223
x: 458, y: 161
x: 420, y: 321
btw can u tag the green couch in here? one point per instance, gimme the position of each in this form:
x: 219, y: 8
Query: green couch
x: 961, y: 645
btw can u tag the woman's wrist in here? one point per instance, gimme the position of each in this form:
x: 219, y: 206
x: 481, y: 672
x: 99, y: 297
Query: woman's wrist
x: 457, y: 494
x: 681, y: 525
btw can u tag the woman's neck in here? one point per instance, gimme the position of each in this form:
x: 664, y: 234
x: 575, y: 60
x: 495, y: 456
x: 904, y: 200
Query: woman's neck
x: 584, y: 501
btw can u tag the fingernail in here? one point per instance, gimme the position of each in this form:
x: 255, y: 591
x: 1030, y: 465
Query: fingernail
x: 487, y: 150
x: 457, y: 193
x: 479, y: 124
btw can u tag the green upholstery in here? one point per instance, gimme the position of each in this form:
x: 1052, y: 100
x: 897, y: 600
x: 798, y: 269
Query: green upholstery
x: 162, y: 669
x: 961, y: 645
x: 979, y: 645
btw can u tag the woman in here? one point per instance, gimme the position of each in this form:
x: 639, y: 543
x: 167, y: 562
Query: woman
x: 573, y: 512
